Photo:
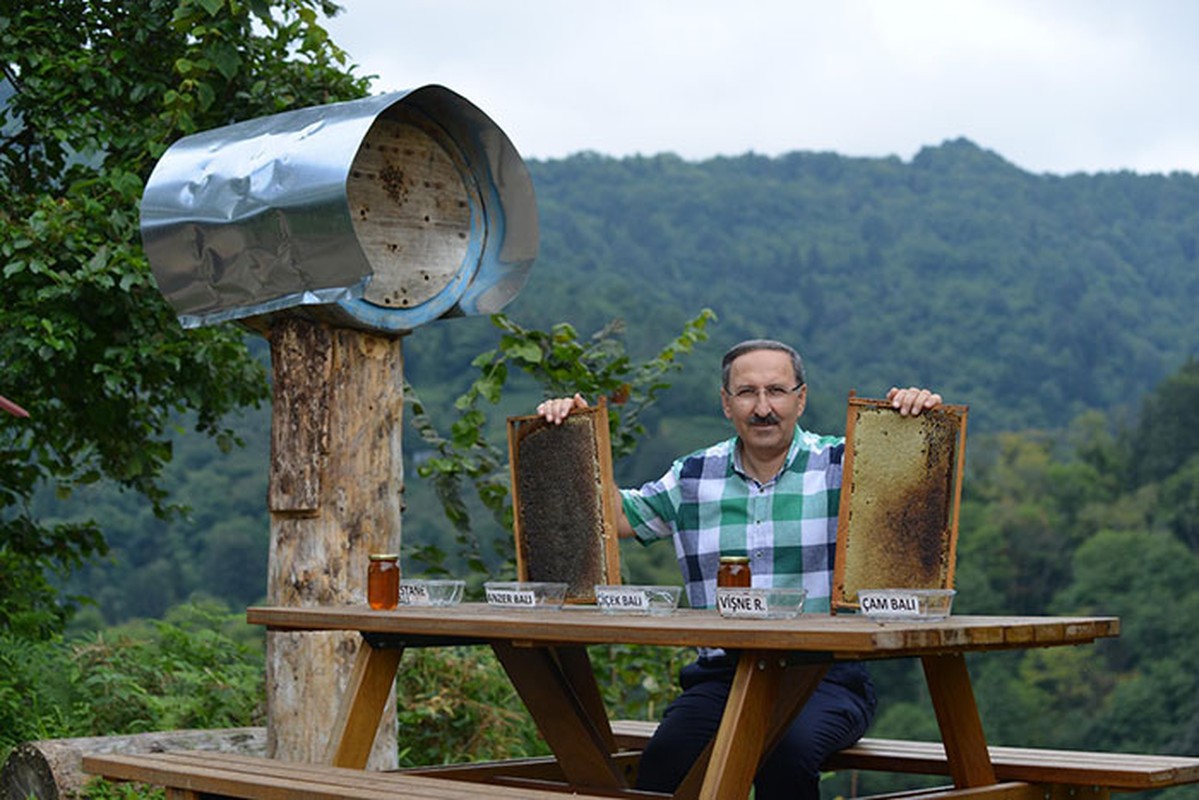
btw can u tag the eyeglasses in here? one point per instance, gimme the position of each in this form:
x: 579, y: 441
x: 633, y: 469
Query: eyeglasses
x: 748, y: 395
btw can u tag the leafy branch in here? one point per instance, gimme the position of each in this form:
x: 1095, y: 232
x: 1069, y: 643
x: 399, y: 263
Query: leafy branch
x: 562, y: 364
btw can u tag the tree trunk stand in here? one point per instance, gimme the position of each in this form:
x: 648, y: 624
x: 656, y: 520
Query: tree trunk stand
x: 336, y: 481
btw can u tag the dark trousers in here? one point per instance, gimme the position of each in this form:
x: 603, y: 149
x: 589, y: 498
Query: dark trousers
x: 835, y: 716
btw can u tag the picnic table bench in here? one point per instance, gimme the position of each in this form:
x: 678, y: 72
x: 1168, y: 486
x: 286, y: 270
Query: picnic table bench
x: 188, y: 775
x: 191, y: 773
x: 1094, y: 774
x: 1100, y: 773
x: 544, y: 654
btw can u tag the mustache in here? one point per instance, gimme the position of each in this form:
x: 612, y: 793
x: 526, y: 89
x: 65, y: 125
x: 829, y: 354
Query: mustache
x: 766, y: 419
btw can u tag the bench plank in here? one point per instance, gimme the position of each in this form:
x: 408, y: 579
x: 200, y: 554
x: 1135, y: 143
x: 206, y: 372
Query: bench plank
x: 258, y: 778
x: 1012, y: 790
x: 1119, y: 771
x: 255, y: 778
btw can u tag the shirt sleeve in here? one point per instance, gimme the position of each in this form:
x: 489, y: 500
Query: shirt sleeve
x: 652, y: 510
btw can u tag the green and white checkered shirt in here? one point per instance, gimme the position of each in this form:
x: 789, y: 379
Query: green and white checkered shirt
x: 711, y: 508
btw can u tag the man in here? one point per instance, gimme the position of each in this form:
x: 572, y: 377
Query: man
x: 770, y: 493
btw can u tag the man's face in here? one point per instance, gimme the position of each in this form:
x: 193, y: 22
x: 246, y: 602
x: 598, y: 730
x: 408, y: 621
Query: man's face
x: 762, y: 401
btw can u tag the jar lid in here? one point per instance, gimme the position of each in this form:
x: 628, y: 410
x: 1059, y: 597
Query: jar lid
x: 734, y: 559
x: 384, y: 556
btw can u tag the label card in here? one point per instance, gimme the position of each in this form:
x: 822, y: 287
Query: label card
x: 890, y: 605
x: 742, y: 604
x: 414, y: 594
x: 512, y: 597
x: 623, y: 599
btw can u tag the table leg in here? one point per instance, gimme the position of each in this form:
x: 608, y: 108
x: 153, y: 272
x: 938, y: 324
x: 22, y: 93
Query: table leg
x: 577, y: 669
x: 562, y: 698
x: 739, y: 741
x: 796, y: 684
x: 957, y: 715
x: 799, y: 681
x: 362, y: 706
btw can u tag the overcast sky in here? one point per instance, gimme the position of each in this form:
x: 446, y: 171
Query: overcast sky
x: 1056, y: 86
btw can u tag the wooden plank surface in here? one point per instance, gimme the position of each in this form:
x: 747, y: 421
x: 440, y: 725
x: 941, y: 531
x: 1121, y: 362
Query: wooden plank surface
x: 848, y: 636
x: 1015, y: 790
x: 411, y: 201
x: 253, y: 777
x: 1123, y: 771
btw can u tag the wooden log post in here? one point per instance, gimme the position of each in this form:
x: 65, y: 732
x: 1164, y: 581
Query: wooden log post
x: 336, y: 481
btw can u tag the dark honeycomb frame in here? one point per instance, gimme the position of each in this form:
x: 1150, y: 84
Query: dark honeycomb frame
x: 563, y: 501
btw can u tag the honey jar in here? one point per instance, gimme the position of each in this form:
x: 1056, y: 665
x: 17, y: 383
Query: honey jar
x: 383, y: 581
x: 734, y: 572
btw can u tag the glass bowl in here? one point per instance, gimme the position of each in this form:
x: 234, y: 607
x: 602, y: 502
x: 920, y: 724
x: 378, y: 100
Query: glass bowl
x: 525, y: 594
x: 760, y: 603
x: 905, y: 604
x: 653, y: 600
x: 445, y: 592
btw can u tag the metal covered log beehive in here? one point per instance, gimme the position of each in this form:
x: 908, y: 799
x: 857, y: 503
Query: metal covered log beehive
x: 381, y: 214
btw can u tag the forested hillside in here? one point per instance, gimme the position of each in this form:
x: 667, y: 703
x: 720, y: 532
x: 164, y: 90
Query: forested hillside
x: 1031, y: 298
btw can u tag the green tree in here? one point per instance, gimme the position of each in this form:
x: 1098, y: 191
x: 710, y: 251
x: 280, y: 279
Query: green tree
x: 1149, y: 580
x: 1168, y: 430
x: 1022, y: 511
x: 94, y: 92
x: 1180, y: 502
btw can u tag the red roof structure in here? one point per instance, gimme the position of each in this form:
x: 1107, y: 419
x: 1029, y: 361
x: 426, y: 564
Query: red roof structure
x: 12, y: 408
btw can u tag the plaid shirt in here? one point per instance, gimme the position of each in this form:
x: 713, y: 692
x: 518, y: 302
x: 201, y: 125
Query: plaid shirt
x: 711, y: 507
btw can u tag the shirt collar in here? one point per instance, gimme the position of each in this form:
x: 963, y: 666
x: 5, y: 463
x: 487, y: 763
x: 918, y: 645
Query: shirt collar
x: 736, y: 465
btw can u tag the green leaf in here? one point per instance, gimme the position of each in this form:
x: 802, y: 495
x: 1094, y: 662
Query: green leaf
x: 226, y: 59
x: 524, y: 350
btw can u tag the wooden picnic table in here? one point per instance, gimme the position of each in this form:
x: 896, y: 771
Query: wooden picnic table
x: 779, y: 662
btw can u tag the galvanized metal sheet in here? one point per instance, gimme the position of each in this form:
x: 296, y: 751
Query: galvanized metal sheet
x: 383, y: 213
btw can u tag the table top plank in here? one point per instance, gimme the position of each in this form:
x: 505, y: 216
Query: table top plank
x: 842, y: 636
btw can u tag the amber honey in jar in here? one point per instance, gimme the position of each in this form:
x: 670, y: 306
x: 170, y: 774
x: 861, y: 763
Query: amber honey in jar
x: 383, y: 581
x: 734, y: 572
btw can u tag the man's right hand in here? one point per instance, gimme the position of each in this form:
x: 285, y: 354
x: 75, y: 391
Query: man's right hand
x: 556, y: 409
